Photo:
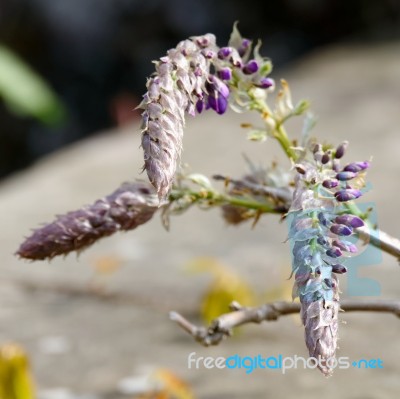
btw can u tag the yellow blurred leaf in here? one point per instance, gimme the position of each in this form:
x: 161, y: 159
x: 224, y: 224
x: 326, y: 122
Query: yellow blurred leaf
x: 226, y: 287
x: 15, y: 378
x: 168, y: 386
x: 106, y: 264
x: 204, y: 264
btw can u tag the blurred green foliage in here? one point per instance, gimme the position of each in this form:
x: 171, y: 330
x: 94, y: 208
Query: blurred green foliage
x: 25, y: 93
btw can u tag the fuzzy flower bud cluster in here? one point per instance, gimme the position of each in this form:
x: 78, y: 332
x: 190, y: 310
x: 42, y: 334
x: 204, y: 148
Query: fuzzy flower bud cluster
x: 132, y: 205
x: 195, y: 76
x: 319, y: 234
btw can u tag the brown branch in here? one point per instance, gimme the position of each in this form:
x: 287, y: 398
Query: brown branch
x: 284, y: 194
x: 381, y: 240
x: 221, y: 327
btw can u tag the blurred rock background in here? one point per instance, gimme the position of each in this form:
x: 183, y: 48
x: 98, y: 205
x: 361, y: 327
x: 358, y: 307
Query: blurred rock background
x: 90, y: 322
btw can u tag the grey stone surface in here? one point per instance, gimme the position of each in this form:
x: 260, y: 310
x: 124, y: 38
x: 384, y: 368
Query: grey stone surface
x: 356, y: 94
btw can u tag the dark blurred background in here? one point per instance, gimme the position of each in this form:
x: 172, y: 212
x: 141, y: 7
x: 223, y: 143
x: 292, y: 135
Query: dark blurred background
x: 96, y: 54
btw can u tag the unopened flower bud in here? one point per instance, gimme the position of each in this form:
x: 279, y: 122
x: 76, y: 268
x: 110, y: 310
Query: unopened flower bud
x: 300, y: 169
x: 225, y: 73
x: 339, y: 269
x: 345, y: 246
x: 349, y: 220
x: 132, y: 205
x: 266, y: 83
x: 356, y: 166
x: 200, y: 106
x: 330, y: 183
x: 347, y: 194
x: 341, y: 149
x: 344, y: 176
x: 246, y: 43
x: 325, y: 158
x: 341, y: 230
x: 218, y: 103
x: 251, y: 67
x: 334, y: 252
x: 224, y: 52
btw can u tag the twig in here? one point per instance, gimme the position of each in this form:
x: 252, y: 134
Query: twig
x: 221, y: 327
x: 381, y: 240
x: 284, y: 194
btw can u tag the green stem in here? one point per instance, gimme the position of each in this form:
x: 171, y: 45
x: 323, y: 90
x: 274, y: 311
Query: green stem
x: 280, y: 133
x: 217, y: 199
x: 283, y: 139
x: 262, y: 207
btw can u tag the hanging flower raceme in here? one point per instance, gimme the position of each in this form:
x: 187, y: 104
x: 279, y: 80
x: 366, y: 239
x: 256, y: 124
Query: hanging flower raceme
x: 130, y: 206
x: 195, y: 76
x: 319, y: 230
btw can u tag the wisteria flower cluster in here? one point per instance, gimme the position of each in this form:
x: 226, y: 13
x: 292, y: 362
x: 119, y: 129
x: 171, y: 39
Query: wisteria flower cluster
x: 316, y: 193
x: 319, y: 228
x: 194, y: 76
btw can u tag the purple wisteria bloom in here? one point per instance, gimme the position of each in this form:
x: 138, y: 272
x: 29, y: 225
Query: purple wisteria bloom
x: 356, y: 166
x: 195, y: 76
x: 251, y: 67
x: 347, y: 194
x: 317, y: 231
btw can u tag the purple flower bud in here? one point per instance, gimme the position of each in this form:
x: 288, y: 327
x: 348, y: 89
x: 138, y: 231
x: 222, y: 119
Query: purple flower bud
x: 251, y: 67
x: 216, y: 85
x: 344, y: 176
x: 347, y: 194
x: 244, y: 46
x: 203, y: 41
x: 219, y: 104
x: 349, y: 220
x: 219, y: 86
x: 266, y: 83
x: 341, y: 230
x: 345, y: 246
x: 356, y: 166
x: 325, y: 158
x: 200, y: 106
x: 339, y: 269
x: 363, y: 165
x: 224, y: 52
x: 300, y: 169
x: 208, y: 54
x: 330, y: 183
x: 225, y: 74
x: 341, y: 149
x: 334, y: 252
